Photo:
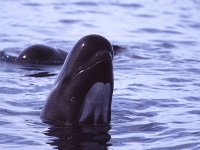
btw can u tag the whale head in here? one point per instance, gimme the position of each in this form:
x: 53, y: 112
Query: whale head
x: 82, y: 92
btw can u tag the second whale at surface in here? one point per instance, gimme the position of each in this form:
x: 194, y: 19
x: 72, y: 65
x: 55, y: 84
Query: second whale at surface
x: 37, y: 54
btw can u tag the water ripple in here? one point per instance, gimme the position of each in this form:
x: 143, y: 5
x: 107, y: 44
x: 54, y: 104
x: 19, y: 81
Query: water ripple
x: 156, y: 69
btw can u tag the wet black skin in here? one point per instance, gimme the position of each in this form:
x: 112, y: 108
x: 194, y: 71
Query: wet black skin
x: 89, y: 63
x: 42, y: 53
x: 37, y: 54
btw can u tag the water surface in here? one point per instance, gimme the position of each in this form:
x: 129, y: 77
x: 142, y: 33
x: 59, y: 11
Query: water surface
x: 157, y: 73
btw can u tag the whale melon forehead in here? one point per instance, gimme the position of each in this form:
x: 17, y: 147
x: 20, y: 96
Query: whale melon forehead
x: 90, y: 44
x: 86, y: 49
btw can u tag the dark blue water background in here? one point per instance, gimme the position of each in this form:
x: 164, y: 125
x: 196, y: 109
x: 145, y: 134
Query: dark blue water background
x: 156, y: 100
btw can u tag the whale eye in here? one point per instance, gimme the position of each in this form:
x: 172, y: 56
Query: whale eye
x: 65, y: 81
x: 72, y: 99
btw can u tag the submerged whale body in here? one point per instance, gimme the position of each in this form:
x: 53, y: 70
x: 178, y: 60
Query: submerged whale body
x: 37, y: 54
x: 42, y: 53
x: 82, y: 92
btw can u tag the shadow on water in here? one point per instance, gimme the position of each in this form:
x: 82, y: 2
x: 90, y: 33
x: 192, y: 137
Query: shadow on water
x: 79, y: 137
x: 41, y: 74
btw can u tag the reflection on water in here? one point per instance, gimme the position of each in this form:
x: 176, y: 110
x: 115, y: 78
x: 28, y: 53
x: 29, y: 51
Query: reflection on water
x: 79, y: 137
x: 156, y: 68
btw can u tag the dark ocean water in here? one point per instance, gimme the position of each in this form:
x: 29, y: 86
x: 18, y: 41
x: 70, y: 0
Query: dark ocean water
x: 157, y: 73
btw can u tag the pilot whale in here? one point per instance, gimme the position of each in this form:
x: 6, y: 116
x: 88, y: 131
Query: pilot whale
x: 82, y: 92
x: 42, y: 52
x: 37, y: 54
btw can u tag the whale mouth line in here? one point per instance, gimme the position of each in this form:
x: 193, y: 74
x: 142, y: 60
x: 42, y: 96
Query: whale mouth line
x: 87, y: 68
